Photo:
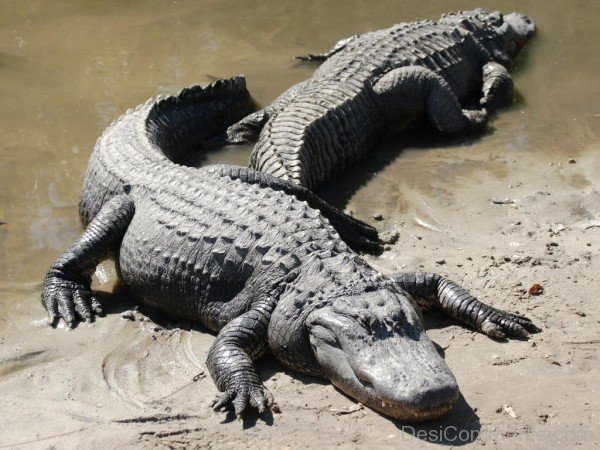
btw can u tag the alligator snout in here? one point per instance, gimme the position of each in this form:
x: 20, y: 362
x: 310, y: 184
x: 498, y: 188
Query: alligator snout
x: 407, y: 378
x: 396, y: 371
x: 425, y: 401
x: 522, y: 25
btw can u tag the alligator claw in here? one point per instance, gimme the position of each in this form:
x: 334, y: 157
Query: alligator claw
x: 222, y: 400
x: 501, y: 324
x: 69, y: 300
x: 242, y: 398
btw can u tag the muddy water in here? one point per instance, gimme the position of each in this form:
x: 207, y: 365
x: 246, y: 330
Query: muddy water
x: 67, y: 69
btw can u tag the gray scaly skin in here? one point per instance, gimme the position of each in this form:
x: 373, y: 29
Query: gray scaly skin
x: 261, y: 261
x: 381, y: 83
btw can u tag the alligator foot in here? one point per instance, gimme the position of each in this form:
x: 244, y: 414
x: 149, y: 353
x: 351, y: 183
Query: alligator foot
x: 476, y: 119
x: 66, y: 291
x: 320, y: 57
x: 230, y: 360
x: 500, y: 324
x: 243, y: 397
x: 431, y: 289
x: 67, y: 299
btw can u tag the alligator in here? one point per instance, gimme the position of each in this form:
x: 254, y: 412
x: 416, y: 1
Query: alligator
x: 260, y: 261
x: 452, y: 72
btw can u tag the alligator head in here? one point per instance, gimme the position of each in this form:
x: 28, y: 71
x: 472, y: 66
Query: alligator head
x: 513, y: 30
x: 498, y: 32
x: 373, y: 347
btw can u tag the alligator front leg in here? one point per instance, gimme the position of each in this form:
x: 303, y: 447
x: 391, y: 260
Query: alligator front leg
x: 230, y: 360
x: 406, y: 92
x: 497, y: 90
x: 67, y: 292
x: 435, y: 290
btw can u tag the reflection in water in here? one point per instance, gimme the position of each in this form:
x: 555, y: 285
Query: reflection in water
x: 68, y: 69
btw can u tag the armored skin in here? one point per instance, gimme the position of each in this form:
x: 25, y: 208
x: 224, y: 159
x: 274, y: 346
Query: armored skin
x: 261, y: 261
x: 452, y: 72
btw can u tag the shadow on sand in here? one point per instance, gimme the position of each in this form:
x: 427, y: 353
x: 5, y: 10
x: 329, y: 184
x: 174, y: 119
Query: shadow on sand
x: 340, y: 188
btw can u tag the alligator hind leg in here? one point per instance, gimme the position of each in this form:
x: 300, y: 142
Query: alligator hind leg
x: 67, y: 293
x: 437, y: 291
x: 249, y: 128
x: 406, y: 92
x: 497, y: 88
x: 230, y: 360
x: 246, y: 130
x: 320, y: 57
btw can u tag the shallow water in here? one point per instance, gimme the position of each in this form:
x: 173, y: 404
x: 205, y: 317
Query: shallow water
x: 67, y: 69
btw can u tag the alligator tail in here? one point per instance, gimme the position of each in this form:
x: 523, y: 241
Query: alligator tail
x: 181, y: 123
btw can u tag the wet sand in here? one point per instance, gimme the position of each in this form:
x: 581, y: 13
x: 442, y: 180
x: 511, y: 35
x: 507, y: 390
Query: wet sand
x: 67, y: 70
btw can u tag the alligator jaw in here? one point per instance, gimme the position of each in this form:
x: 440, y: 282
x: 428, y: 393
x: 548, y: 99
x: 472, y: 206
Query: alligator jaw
x: 393, y: 369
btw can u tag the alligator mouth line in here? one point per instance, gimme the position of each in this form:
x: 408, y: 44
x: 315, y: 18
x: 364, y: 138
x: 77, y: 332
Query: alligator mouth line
x: 368, y: 386
x: 399, y: 410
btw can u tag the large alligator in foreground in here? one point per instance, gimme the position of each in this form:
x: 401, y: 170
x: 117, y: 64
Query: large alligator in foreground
x: 383, y: 82
x: 261, y: 261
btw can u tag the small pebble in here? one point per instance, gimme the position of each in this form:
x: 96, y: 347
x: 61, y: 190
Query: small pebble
x: 536, y: 289
x: 378, y: 216
x: 502, y: 201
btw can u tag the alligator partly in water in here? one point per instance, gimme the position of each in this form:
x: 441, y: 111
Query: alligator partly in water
x: 451, y: 72
x: 259, y: 260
